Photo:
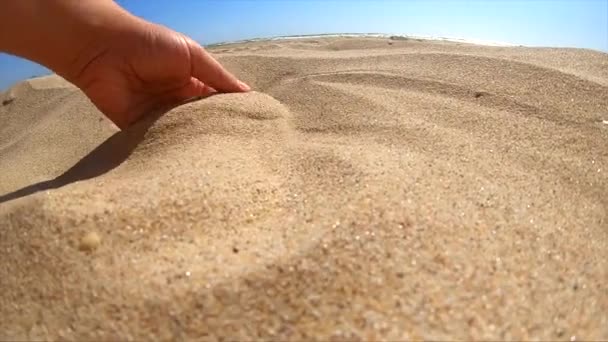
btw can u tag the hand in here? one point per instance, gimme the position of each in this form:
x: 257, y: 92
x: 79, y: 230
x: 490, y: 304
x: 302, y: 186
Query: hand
x: 147, y: 68
x: 125, y: 65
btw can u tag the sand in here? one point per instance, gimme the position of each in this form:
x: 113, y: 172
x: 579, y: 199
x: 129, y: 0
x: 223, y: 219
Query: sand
x: 367, y: 189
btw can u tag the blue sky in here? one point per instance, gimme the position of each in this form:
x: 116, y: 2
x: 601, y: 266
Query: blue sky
x: 569, y: 23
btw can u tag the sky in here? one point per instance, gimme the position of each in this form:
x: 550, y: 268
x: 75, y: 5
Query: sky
x: 563, y: 23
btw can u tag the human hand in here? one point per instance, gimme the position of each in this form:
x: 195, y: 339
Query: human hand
x: 125, y: 65
x: 150, y: 67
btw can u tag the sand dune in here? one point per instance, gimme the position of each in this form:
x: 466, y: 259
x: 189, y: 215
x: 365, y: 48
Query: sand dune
x: 368, y: 189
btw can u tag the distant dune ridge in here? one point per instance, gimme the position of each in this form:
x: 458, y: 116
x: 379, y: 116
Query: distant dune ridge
x: 371, y: 35
x: 369, y: 188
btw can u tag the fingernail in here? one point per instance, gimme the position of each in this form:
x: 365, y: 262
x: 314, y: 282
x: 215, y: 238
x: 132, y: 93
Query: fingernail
x: 244, y: 86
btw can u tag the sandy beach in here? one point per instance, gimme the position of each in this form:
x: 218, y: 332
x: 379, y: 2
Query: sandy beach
x: 369, y: 188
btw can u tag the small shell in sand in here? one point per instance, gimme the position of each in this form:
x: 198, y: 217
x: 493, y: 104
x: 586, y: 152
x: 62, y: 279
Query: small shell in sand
x: 89, y: 242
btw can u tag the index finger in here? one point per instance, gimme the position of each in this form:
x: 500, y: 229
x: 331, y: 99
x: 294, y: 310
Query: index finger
x: 208, y: 70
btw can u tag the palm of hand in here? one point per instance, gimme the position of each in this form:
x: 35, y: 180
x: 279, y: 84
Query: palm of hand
x: 149, y: 69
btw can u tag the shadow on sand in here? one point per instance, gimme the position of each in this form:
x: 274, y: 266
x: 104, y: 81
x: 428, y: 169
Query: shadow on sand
x: 102, y: 159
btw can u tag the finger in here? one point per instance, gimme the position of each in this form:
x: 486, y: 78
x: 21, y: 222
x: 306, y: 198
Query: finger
x: 208, y: 91
x: 194, y: 88
x: 212, y: 73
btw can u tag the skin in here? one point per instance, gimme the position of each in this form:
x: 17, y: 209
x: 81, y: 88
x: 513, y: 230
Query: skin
x: 125, y: 65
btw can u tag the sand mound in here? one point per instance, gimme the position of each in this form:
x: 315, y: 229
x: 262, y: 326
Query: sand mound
x: 365, y: 190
